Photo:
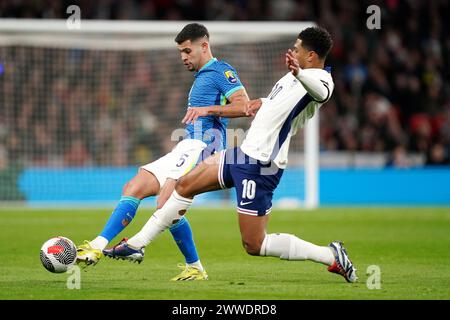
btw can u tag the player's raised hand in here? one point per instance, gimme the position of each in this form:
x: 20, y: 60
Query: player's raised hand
x: 292, y: 62
x: 253, y: 107
x: 192, y: 114
x: 288, y: 58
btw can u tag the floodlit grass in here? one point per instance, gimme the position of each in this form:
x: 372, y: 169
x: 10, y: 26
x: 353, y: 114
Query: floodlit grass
x: 410, y: 246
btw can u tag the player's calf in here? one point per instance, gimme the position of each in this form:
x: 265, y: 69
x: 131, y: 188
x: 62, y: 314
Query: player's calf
x: 252, y: 247
x: 252, y: 232
x: 252, y: 250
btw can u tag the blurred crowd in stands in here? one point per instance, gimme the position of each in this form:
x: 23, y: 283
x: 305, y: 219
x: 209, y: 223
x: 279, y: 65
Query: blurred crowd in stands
x: 392, y: 86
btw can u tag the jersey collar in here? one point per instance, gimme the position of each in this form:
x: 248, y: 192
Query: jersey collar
x: 210, y: 62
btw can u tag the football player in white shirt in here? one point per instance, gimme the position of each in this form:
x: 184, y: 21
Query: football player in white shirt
x: 255, y: 168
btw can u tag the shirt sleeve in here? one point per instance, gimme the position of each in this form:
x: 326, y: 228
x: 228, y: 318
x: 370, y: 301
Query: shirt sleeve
x: 318, y: 84
x: 227, y: 81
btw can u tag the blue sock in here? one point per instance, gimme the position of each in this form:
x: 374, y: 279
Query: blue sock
x: 121, y: 217
x: 182, y: 234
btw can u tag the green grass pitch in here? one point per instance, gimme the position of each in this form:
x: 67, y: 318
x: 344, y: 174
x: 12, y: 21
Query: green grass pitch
x: 410, y: 245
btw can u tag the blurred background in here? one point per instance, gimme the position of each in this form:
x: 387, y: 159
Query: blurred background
x: 384, y: 135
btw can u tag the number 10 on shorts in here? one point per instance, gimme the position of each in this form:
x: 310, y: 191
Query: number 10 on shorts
x: 248, y: 189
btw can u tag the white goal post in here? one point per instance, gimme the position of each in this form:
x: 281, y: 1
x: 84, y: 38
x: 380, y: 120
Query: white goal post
x: 26, y: 39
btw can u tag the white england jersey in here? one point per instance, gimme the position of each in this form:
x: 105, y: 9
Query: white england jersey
x: 291, y: 103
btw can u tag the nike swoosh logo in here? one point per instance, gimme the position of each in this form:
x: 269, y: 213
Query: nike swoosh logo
x: 245, y: 203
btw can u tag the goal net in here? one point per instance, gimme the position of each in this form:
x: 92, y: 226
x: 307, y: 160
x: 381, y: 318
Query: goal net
x: 81, y: 110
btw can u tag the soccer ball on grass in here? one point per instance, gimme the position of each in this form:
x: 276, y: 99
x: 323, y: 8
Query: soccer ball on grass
x: 58, y: 254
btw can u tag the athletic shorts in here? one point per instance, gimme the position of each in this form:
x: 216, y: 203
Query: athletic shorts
x: 253, y: 180
x: 178, y: 162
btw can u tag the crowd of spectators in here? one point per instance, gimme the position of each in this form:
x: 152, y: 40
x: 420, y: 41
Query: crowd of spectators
x: 80, y: 107
x: 65, y: 107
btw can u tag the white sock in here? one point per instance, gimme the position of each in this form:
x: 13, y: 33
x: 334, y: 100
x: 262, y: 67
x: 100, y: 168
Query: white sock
x: 197, y: 264
x: 172, y: 211
x: 289, y: 247
x: 99, y: 243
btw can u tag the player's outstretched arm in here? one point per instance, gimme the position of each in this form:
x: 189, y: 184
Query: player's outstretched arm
x: 235, y: 109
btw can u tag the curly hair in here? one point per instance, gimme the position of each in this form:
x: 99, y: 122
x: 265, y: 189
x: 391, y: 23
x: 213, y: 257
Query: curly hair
x: 316, y: 39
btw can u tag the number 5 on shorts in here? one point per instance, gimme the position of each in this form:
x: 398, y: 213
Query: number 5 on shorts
x: 182, y: 160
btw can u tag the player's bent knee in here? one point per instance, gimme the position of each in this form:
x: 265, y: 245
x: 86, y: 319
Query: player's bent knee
x: 125, y: 188
x: 183, y: 187
x: 133, y: 189
x: 253, y: 248
x: 140, y: 187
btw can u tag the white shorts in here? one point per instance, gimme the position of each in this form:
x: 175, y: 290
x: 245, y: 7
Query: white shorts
x: 178, y: 162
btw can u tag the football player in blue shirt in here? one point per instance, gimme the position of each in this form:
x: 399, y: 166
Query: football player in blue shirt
x: 219, y: 91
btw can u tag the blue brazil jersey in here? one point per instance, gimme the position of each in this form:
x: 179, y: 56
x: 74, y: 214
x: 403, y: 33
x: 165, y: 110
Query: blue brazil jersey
x: 213, y: 84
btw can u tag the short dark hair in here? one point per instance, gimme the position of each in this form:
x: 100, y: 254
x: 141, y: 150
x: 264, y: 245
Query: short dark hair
x: 316, y: 39
x: 192, y: 31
